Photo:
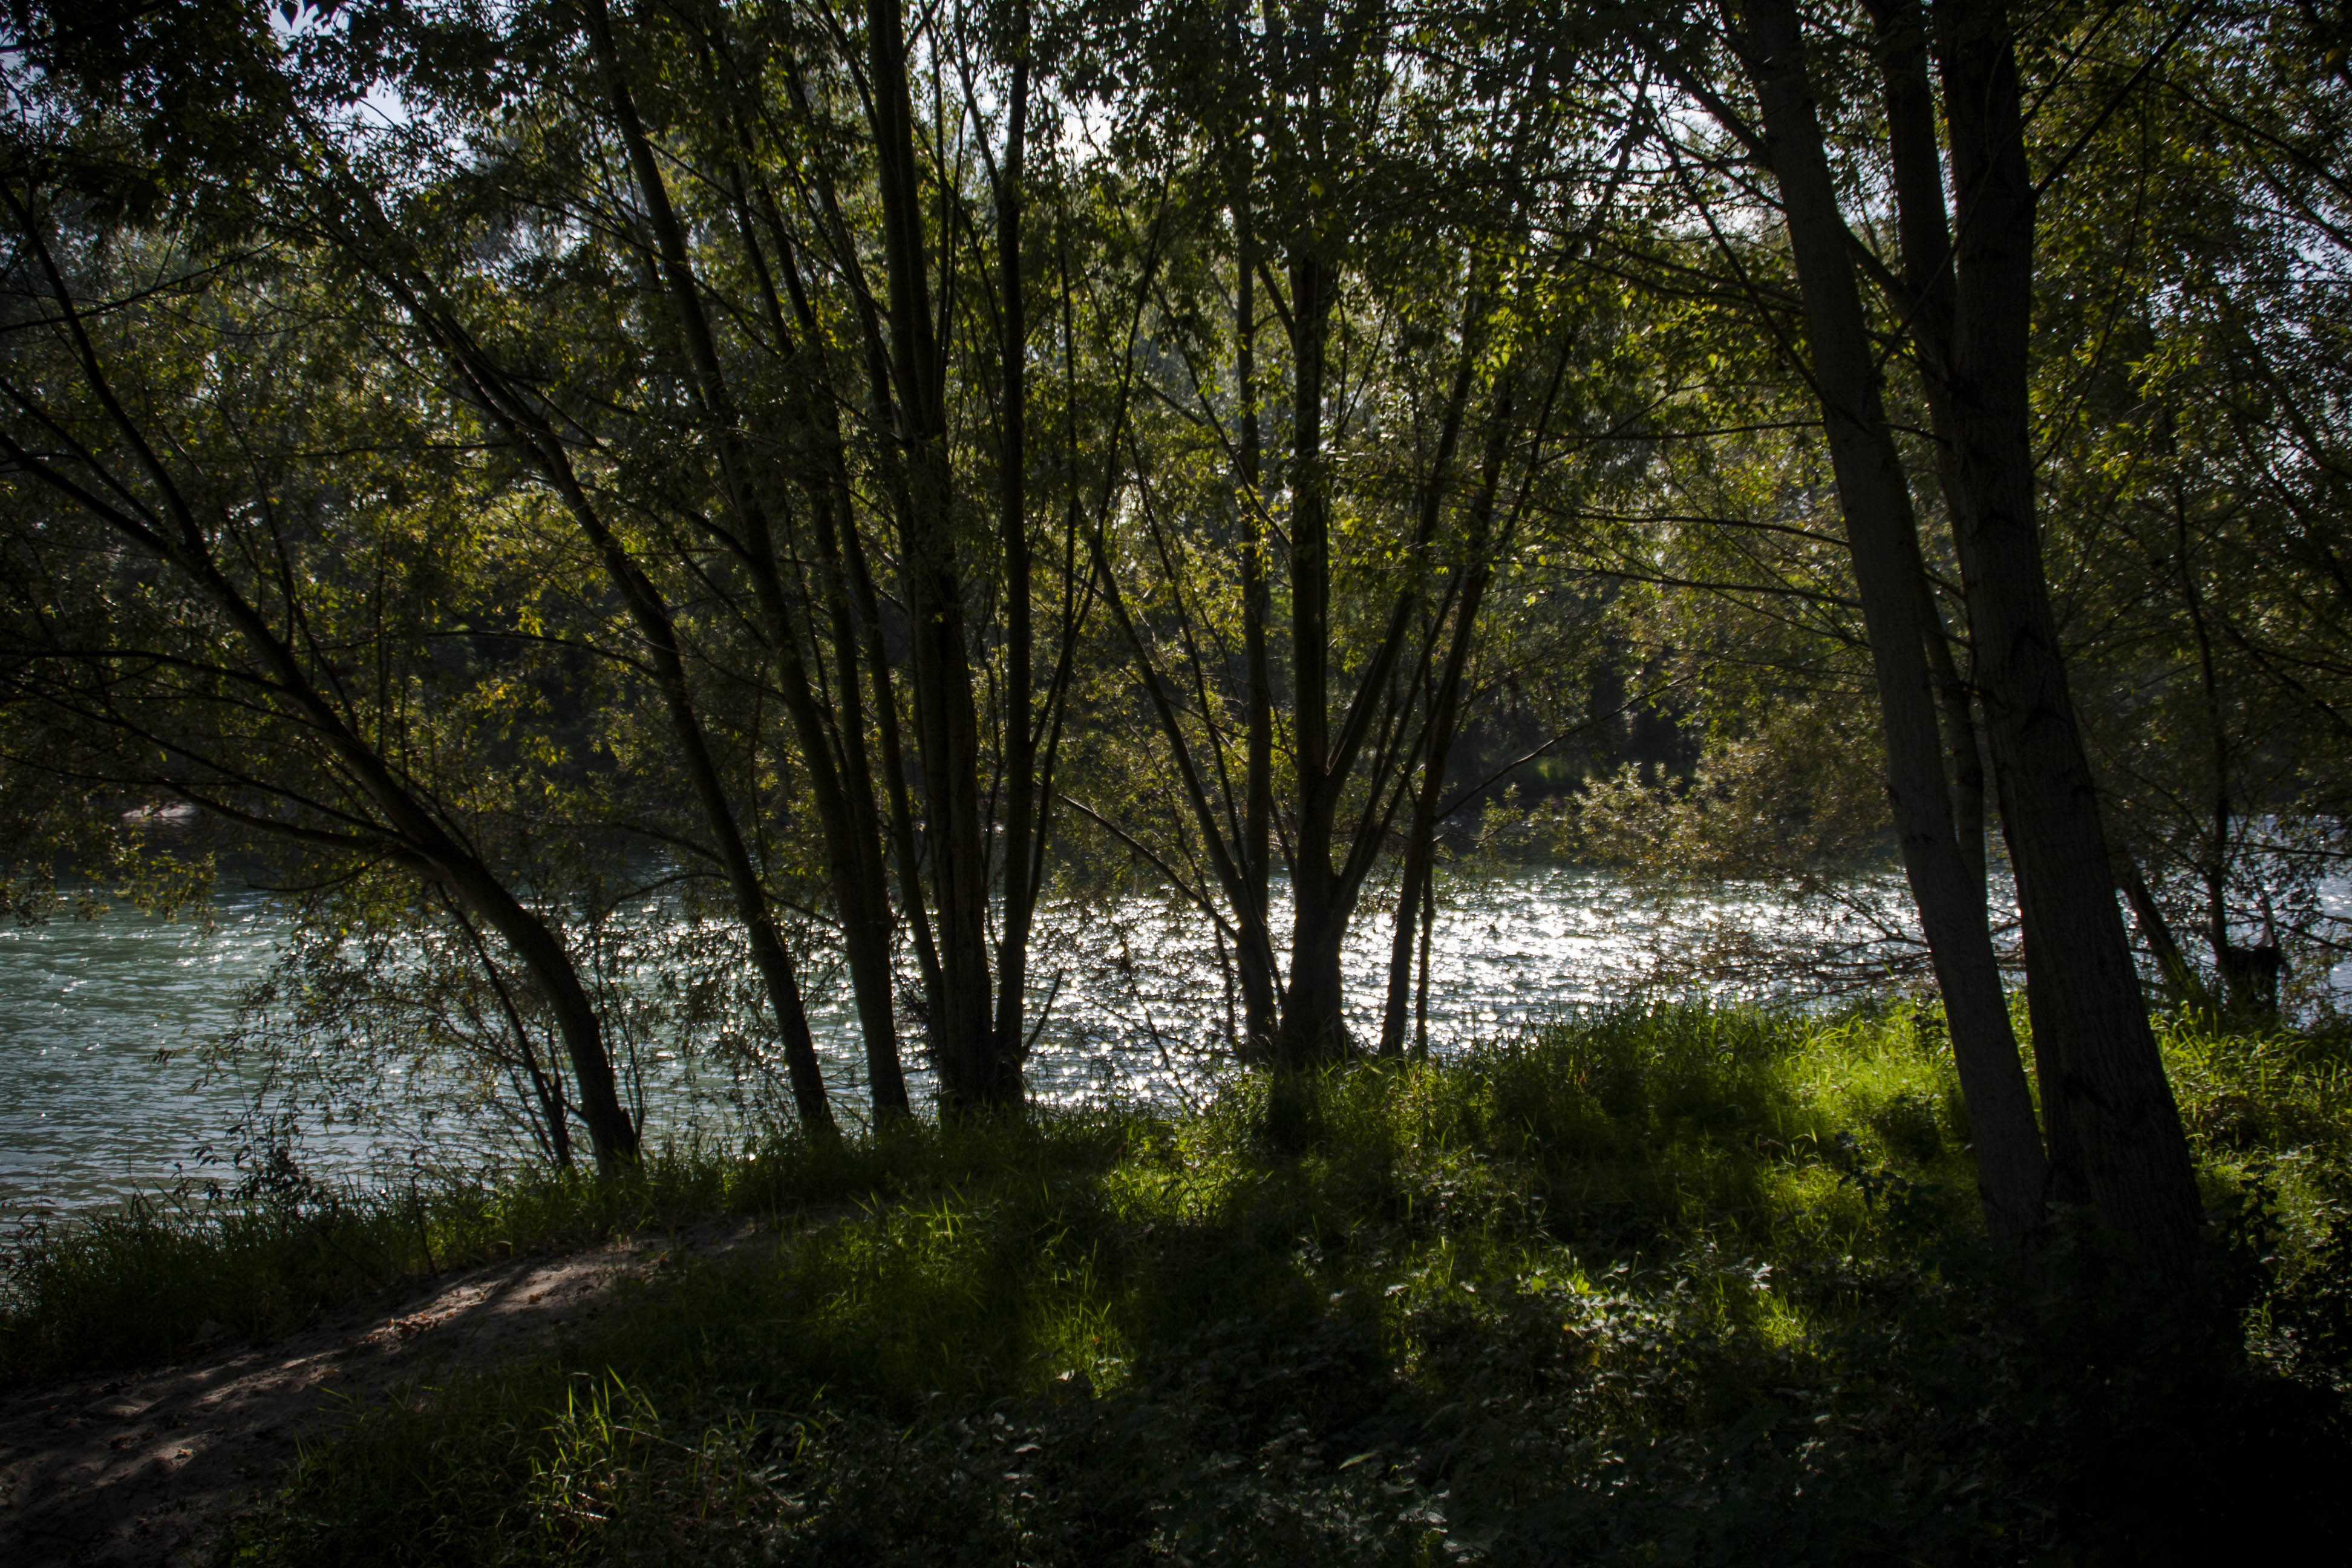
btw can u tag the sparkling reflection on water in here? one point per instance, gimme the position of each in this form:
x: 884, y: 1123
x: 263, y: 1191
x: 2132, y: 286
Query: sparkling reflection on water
x: 101, y: 1094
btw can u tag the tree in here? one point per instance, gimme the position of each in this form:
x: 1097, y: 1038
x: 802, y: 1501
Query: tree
x: 1963, y: 301
x: 1379, y: 538
x: 1898, y: 609
x: 231, y: 683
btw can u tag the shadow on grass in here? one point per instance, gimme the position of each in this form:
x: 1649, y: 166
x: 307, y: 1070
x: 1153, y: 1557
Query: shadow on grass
x: 1659, y: 1284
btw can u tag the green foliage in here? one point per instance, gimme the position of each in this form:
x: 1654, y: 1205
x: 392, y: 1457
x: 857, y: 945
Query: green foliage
x: 2253, y: 1092
x: 166, y: 1275
x: 169, y: 1273
x: 1662, y: 1284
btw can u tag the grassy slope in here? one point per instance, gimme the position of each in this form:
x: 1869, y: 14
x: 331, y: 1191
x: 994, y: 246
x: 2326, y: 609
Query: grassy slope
x: 1670, y: 1285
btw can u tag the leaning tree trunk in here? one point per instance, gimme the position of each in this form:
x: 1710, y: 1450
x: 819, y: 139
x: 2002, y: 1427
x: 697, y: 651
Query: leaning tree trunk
x: 179, y: 538
x: 2088, y: 1005
x: 1415, y: 906
x: 1883, y: 539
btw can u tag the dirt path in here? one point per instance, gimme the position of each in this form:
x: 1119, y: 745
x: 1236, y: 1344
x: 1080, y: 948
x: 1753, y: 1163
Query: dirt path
x: 147, y: 1468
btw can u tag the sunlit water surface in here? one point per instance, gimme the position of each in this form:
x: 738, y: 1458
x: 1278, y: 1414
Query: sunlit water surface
x: 104, y: 1092
x: 106, y: 1089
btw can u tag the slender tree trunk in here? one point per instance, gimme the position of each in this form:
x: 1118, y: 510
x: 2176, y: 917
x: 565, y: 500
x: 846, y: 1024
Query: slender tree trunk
x: 861, y: 874
x: 546, y: 1087
x: 753, y: 545
x: 1882, y: 536
x: 1443, y: 724
x: 1926, y: 239
x: 855, y: 854
x: 1420, y: 857
x: 770, y: 956
x: 1020, y: 745
x: 1253, y: 961
x: 832, y: 735
x: 1314, y: 1024
x: 1420, y: 990
x: 892, y: 820
x: 651, y: 616
x: 2086, y: 996
x: 947, y: 726
x: 1960, y: 740
x: 2157, y: 931
x: 2244, y: 982
x: 1925, y: 246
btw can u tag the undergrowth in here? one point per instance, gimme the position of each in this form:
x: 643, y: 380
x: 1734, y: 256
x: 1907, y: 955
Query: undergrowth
x: 169, y: 1273
x: 1670, y: 1284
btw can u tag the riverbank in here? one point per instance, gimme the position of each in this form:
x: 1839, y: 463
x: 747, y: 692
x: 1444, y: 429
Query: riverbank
x: 1670, y: 1284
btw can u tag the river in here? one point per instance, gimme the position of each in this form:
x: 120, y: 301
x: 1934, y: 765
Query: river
x: 105, y: 1091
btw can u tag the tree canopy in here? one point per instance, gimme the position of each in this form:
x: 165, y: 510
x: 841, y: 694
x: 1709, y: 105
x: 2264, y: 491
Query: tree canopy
x: 875, y: 472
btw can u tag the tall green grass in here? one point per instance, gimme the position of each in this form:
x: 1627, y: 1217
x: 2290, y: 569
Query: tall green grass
x: 1660, y: 1284
x: 169, y: 1275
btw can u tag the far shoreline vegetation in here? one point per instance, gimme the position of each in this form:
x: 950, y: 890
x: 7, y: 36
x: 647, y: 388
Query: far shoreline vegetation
x: 863, y: 480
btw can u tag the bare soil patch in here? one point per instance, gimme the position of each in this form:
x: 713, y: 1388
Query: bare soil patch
x: 148, y: 1467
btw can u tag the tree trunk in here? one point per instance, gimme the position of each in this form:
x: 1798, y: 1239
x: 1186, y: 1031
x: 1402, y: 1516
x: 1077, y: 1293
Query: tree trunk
x: 2157, y: 931
x: 1881, y: 537
x: 409, y: 824
x: 1253, y: 961
x: 1314, y: 1014
x: 1020, y: 740
x: 1314, y: 1026
x: 2088, y: 1008
x: 855, y: 856
x: 752, y: 544
x: 1413, y: 894
x: 832, y: 735
x: 947, y: 727
x: 1926, y: 239
x: 1421, y: 988
x: 1413, y: 888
